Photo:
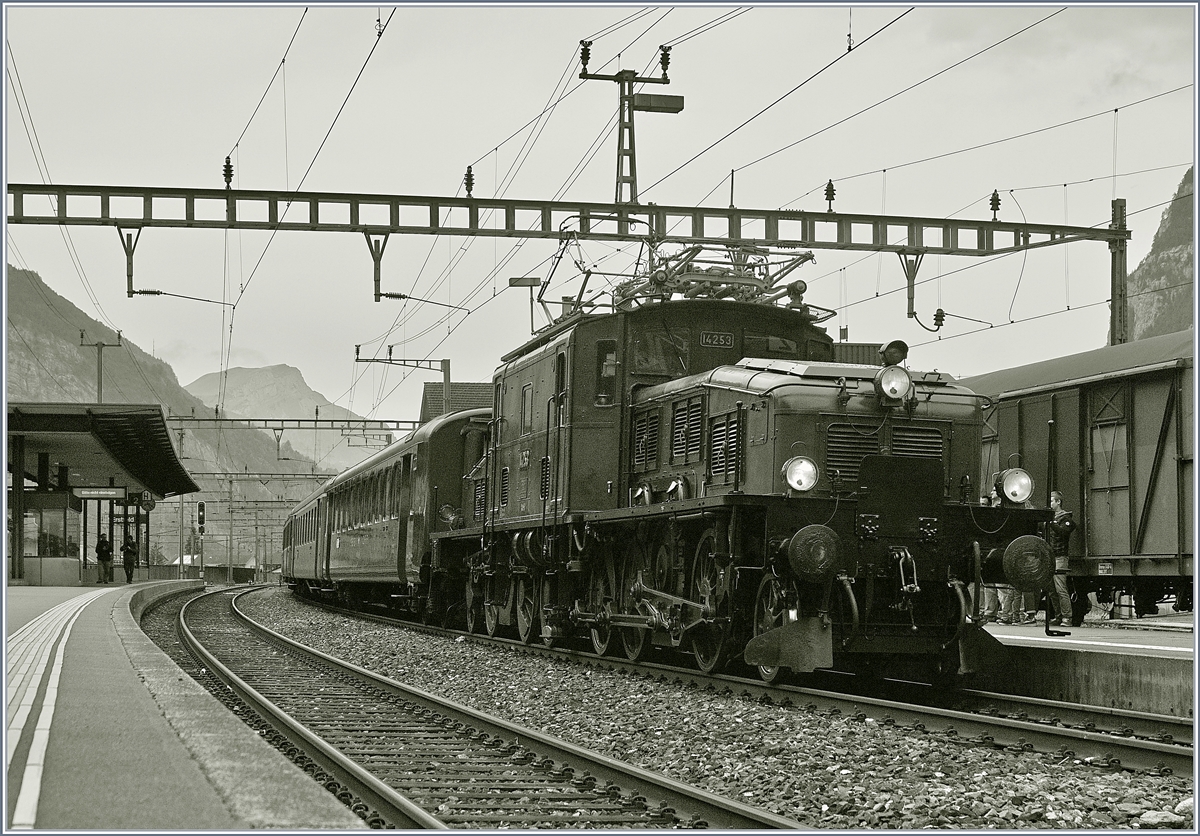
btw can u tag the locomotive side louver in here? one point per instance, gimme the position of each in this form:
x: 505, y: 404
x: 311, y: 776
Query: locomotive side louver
x: 724, y: 438
x: 645, y: 441
x: 544, y: 488
x: 504, y: 486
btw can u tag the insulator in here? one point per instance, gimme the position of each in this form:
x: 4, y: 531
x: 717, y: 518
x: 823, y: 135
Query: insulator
x: 665, y: 59
x: 995, y: 202
x: 228, y: 172
x: 585, y: 53
x: 470, y: 181
x: 829, y: 193
x: 939, y: 317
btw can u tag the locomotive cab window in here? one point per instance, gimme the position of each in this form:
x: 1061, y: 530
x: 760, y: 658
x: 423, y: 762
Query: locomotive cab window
x: 770, y: 347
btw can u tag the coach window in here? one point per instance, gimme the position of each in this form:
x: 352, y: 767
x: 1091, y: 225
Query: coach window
x: 527, y: 409
x: 606, y: 372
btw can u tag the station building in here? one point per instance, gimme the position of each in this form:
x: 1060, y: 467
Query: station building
x: 75, y: 470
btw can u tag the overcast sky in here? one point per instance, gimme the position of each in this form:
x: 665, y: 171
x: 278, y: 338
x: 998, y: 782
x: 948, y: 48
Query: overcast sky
x: 1054, y: 100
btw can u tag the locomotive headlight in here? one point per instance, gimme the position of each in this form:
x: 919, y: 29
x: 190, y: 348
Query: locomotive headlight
x: 800, y: 473
x: 1015, y: 485
x: 893, y: 384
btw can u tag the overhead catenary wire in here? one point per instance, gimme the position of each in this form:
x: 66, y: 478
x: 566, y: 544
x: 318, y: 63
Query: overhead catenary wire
x: 713, y: 145
x: 270, y: 83
x: 899, y: 92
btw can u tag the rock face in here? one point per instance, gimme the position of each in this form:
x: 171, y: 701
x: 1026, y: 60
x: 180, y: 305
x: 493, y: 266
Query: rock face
x: 1161, y: 289
x: 281, y: 392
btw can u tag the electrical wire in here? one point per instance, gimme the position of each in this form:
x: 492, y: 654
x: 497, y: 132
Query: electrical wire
x: 768, y: 107
x: 900, y: 92
x: 989, y: 144
x: 269, y: 83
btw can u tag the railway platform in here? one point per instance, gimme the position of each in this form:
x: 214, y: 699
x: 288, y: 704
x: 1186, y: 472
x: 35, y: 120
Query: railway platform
x: 105, y: 732
x: 1140, y: 664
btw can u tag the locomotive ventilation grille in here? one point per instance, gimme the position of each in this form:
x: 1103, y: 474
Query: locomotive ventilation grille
x: 480, y: 498
x: 544, y: 488
x: 685, y: 430
x: 917, y: 442
x: 645, y: 441
x: 847, y: 444
x: 504, y: 486
x: 724, y: 451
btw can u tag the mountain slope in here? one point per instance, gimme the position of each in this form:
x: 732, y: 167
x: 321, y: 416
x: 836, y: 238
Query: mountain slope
x: 281, y: 392
x: 1161, y: 290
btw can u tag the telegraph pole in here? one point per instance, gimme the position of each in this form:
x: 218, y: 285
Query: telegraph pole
x: 628, y: 102
x: 99, y: 346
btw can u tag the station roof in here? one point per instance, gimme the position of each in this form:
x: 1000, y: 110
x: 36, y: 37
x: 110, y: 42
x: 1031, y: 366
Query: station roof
x: 127, y: 443
x: 1109, y: 361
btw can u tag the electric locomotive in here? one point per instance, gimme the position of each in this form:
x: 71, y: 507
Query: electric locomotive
x: 692, y: 471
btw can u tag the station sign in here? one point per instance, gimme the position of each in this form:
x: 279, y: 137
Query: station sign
x: 105, y: 492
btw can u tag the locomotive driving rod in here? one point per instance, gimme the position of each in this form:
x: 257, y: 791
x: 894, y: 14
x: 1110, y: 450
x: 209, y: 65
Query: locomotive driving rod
x: 641, y: 592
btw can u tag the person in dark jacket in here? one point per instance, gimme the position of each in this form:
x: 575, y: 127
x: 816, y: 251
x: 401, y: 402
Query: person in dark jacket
x: 128, y: 558
x: 1058, y: 535
x: 104, y: 558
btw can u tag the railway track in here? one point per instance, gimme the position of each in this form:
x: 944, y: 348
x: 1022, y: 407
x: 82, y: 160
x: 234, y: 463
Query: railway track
x: 1095, y: 735
x: 410, y: 760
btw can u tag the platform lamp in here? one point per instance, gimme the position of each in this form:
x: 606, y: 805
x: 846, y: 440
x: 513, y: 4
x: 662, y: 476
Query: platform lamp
x: 530, y: 282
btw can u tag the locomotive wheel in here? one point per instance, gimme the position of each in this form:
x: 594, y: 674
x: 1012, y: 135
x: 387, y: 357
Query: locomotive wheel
x: 528, y: 610
x: 770, y: 611
x: 601, y: 597
x: 491, y: 608
x: 709, y: 641
x: 634, y: 640
x: 474, y: 609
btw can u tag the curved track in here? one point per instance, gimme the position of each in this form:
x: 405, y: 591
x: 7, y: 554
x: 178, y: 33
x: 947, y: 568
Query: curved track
x: 1096, y: 735
x: 421, y: 762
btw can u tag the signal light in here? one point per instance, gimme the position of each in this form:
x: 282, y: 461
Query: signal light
x: 200, y: 515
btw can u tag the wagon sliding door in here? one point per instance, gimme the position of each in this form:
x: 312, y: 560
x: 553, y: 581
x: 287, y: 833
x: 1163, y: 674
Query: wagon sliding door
x: 1108, y: 513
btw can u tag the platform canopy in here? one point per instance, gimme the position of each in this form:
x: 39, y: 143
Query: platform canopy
x: 126, y: 445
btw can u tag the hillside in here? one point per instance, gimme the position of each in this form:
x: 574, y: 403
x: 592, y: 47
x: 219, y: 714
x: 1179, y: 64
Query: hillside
x: 1161, y: 290
x: 281, y: 392
x: 46, y: 363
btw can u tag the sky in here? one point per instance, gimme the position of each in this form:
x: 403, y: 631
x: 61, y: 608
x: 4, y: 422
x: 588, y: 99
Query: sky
x: 1060, y: 109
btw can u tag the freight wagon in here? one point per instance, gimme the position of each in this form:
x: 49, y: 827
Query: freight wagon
x: 1113, y: 429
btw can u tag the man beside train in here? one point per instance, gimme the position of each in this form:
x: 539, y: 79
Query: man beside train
x: 1058, y: 535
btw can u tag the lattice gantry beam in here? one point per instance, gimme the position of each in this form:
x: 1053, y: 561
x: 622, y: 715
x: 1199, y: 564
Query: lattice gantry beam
x: 135, y: 208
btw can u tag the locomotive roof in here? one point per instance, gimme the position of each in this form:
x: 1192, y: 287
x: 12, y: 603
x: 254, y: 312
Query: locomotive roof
x: 1122, y: 360
x: 671, y: 306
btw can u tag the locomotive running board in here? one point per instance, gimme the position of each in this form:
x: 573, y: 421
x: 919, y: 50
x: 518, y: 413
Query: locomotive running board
x: 803, y: 645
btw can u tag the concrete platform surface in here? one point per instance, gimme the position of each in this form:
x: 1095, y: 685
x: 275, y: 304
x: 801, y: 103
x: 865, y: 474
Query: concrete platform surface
x: 105, y: 732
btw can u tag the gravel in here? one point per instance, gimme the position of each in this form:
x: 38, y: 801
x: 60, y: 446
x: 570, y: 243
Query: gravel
x: 820, y: 770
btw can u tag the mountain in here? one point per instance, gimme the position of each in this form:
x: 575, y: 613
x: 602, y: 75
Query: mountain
x: 46, y: 363
x: 281, y: 392
x: 1161, y: 291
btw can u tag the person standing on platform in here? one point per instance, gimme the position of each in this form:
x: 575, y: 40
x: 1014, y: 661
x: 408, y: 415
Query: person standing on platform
x: 1058, y: 535
x: 104, y: 558
x: 128, y: 558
